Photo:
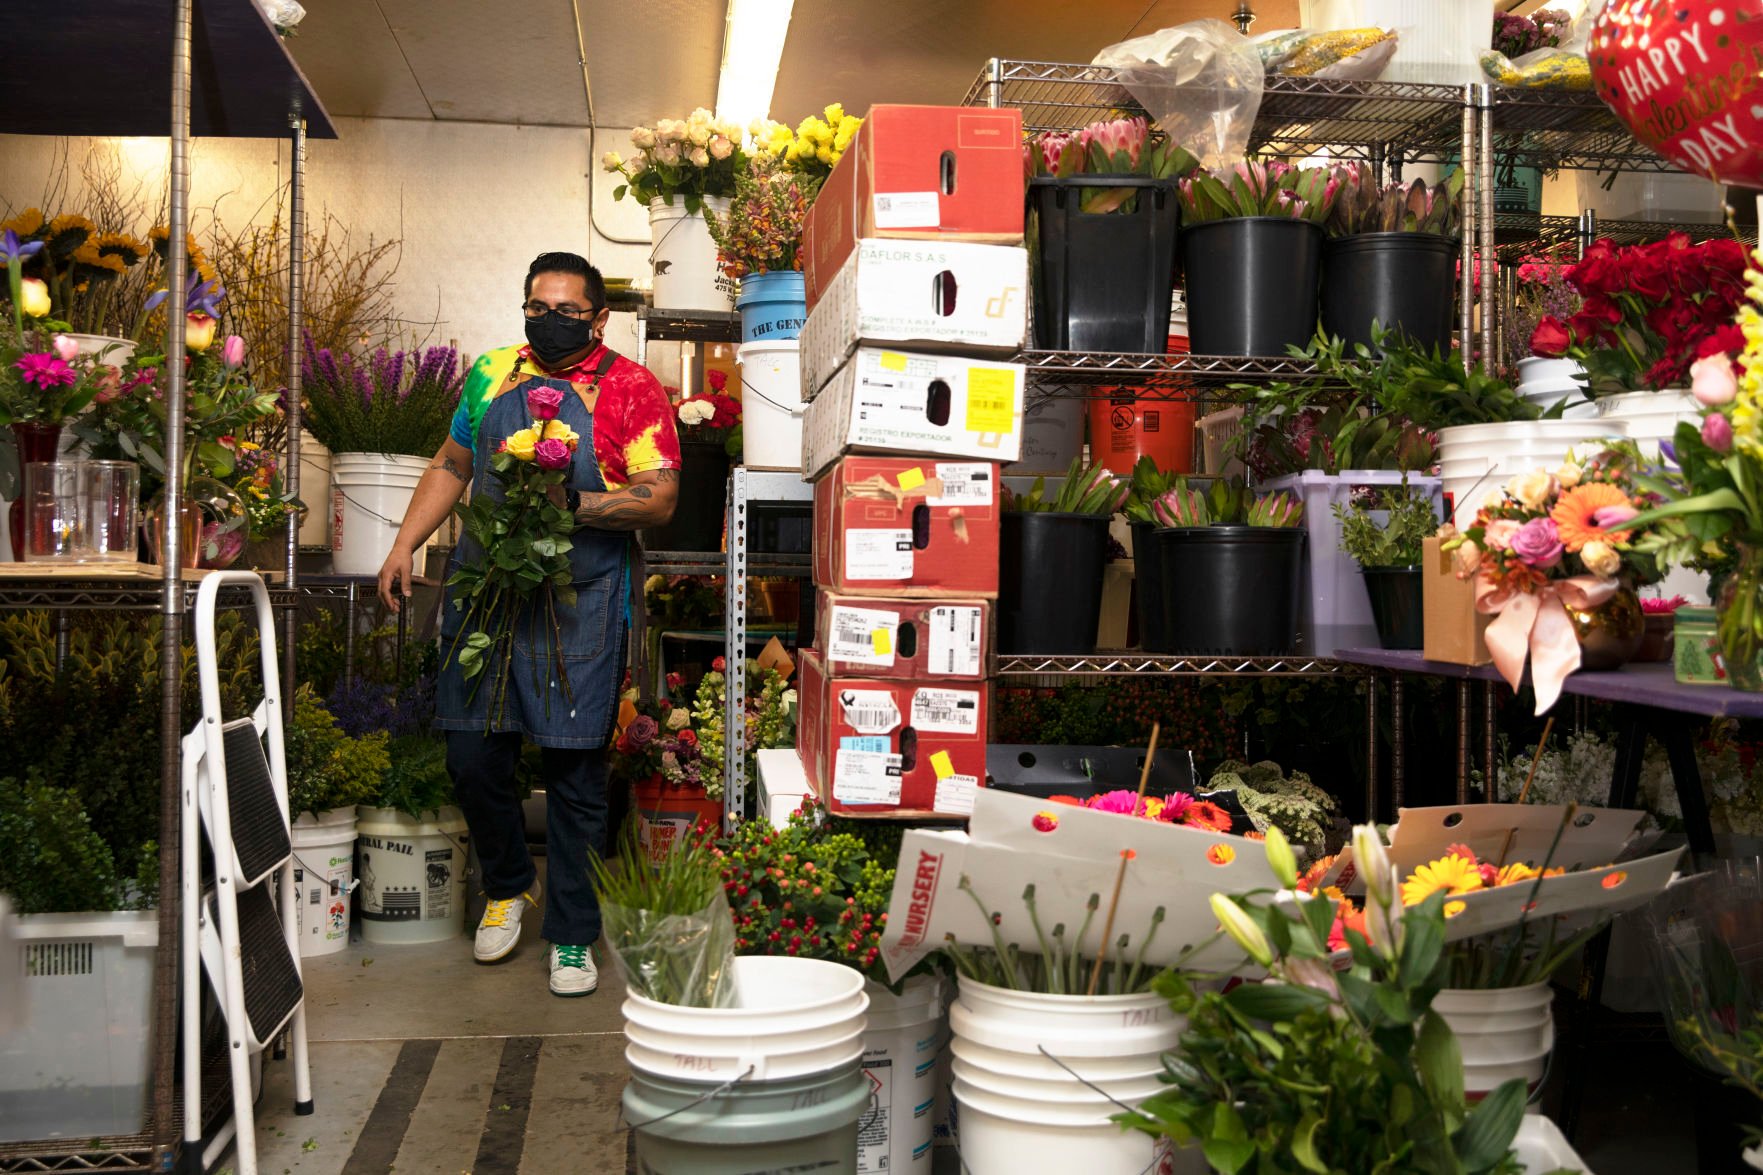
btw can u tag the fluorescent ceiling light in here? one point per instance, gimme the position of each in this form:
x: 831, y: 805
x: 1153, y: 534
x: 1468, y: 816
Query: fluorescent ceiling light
x: 752, y: 44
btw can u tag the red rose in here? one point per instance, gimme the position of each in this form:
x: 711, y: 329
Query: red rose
x: 1600, y: 308
x: 687, y: 737
x: 1598, y: 271
x: 1550, y: 339
x: 1727, y: 339
x: 716, y: 379
x: 1726, y: 256
x: 720, y: 665
x: 1589, y: 331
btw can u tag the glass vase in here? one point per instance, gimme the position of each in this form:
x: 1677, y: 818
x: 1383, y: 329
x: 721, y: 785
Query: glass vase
x: 213, y: 525
x: 1739, y: 609
x: 36, y: 442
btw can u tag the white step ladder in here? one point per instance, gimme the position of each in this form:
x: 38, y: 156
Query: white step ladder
x: 232, y: 928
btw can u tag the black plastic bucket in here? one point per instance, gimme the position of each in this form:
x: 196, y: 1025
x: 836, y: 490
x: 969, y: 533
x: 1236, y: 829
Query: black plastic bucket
x: 703, y: 500
x: 1050, y: 582
x: 1395, y: 606
x: 1103, y: 281
x: 1232, y: 590
x: 1251, y: 284
x: 1403, y: 280
x: 1147, y: 589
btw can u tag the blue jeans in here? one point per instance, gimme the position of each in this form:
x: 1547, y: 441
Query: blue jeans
x: 482, y: 766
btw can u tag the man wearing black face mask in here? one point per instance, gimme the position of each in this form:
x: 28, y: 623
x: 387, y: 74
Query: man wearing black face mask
x: 625, y: 477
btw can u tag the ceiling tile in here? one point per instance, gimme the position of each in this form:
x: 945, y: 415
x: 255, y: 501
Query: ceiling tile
x: 662, y: 64
x: 349, y: 55
x: 492, y: 62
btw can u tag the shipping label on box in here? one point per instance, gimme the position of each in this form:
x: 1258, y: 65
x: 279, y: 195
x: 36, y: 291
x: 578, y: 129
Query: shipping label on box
x: 1453, y: 628
x: 908, y: 528
x: 932, y: 405
x: 919, y: 295
x: 918, y: 172
x: 891, y: 748
x: 910, y: 640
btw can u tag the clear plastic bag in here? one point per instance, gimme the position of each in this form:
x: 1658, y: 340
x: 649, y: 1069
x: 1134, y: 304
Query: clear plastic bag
x: 1201, y: 81
x: 1545, y: 69
x: 1355, y: 55
x: 684, y: 959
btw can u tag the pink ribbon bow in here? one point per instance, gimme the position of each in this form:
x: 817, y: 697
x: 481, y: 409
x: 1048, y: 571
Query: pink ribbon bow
x: 1537, y: 624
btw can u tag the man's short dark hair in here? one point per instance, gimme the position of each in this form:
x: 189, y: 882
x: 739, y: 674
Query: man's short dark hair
x: 568, y: 263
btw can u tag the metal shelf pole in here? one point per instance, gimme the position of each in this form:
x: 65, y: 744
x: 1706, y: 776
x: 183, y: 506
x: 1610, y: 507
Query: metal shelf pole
x: 734, y: 749
x: 296, y: 326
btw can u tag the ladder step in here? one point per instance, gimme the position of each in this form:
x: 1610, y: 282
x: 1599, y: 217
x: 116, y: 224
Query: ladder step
x: 259, y: 828
x: 272, y: 980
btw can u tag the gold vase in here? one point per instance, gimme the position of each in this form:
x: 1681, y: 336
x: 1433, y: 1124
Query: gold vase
x: 1610, y: 634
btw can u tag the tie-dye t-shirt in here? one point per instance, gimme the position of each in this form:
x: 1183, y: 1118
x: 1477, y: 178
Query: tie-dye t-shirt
x: 633, y: 420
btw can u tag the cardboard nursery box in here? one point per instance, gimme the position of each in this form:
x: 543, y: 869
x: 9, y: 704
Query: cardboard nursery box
x: 909, y: 527
x: 921, y: 296
x: 891, y: 748
x: 910, y: 640
x: 1453, y: 628
x: 918, y: 172
x: 928, y: 405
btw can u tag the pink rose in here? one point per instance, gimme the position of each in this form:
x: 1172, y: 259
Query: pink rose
x: 545, y: 402
x: 1538, y: 543
x: 1712, y: 382
x: 1499, y: 534
x: 642, y: 730
x: 1717, y: 432
x: 65, y: 348
x: 232, y: 352
x: 551, y: 453
x: 109, y: 384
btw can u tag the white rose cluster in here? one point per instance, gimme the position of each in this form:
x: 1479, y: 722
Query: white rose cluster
x: 695, y: 411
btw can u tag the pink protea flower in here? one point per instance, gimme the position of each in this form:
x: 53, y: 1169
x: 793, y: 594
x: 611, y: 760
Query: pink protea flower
x: 44, y: 370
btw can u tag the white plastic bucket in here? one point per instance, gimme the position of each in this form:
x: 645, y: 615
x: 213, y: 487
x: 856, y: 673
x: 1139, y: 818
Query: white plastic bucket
x: 1052, y: 434
x: 1476, y: 460
x: 1650, y: 417
x: 1503, y: 1032
x: 771, y: 404
x: 412, y: 875
x: 315, y: 491
x: 791, y: 1018
x: 324, y: 879
x: 369, y: 494
x: 1013, y: 1114
x: 684, y: 258
x: 901, y: 1048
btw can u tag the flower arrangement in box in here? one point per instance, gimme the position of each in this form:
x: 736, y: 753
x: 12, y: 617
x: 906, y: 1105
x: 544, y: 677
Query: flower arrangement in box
x: 691, y: 159
x: 1553, y: 550
x: 762, y: 230
x: 654, y: 743
x: 398, y: 402
x: 1649, y: 312
x: 526, y: 535
x: 817, y: 888
x: 1329, y: 1065
x: 816, y: 146
x: 82, y: 270
x: 1175, y: 808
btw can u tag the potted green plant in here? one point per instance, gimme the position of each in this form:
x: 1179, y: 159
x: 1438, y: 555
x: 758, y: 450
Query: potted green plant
x: 1043, y: 613
x: 1391, y: 257
x: 382, y: 417
x: 1102, y: 235
x: 1251, y: 248
x: 1238, y: 559
x: 1383, y: 534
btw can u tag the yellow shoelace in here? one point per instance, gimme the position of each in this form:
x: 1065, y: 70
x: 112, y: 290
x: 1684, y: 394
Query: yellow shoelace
x: 496, y: 913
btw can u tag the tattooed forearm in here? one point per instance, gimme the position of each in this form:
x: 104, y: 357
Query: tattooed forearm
x: 631, y: 508
x: 448, y: 465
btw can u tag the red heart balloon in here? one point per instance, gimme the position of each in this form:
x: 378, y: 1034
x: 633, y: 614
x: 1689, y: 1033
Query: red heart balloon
x: 1686, y: 76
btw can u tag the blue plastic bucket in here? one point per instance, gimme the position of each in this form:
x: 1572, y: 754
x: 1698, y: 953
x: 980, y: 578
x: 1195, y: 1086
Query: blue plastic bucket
x: 773, y: 306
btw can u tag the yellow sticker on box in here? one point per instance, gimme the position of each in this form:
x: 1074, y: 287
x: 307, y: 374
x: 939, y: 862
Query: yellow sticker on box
x: 991, y: 400
x: 912, y: 478
x: 939, y: 762
x: 883, y: 642
x: 893, y: 361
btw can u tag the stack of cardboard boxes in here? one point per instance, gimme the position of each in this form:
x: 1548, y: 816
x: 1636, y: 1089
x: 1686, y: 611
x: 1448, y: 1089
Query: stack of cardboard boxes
x: 917, y: 289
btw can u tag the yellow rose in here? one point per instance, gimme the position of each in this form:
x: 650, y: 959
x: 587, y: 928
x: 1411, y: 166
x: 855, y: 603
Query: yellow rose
x: 34, y: 298
x: 1569, y: 475
x: 556, y: 430
x: 520, y: 445
x: 1532, y: 490
x: 199, y: 332
x: 1600, y: 558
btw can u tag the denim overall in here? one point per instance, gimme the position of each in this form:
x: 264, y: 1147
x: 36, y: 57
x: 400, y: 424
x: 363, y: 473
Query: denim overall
x: 572, y: 731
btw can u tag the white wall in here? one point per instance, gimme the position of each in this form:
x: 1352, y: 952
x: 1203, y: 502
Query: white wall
x: 473, y: 203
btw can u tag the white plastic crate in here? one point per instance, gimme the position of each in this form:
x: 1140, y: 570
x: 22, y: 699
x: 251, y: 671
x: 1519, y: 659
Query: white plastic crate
x: 1216, y: 432
x: 1337, y: 612
x: 79, y: 1065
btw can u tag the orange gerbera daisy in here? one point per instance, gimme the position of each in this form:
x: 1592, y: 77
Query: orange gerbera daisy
x: 1205, y: 814
x: 1574, y: 511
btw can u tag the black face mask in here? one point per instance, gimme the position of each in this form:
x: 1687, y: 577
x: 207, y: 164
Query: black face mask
x: 555, y: 338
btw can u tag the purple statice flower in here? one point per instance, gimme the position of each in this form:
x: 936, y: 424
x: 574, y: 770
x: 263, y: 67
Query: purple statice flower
x: 363, y: 378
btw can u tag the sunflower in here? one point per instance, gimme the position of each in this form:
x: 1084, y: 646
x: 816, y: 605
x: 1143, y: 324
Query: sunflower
x: 1449, y: 874
x: 1574, y: 511
x: 68, y: 232
x: 26, y: 224
x: 119, y: 245
x: 109, y: 263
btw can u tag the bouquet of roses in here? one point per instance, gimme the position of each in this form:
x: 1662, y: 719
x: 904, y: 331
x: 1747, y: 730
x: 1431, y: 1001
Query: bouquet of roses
x: 1649, y: 312
x: 1551, y: 542
x: 525, y: 534
x: 655, y: 741
x: 712, y: 416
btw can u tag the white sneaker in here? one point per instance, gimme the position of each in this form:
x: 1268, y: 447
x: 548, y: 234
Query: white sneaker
x: 572, y: 971
x: 498, y: 931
